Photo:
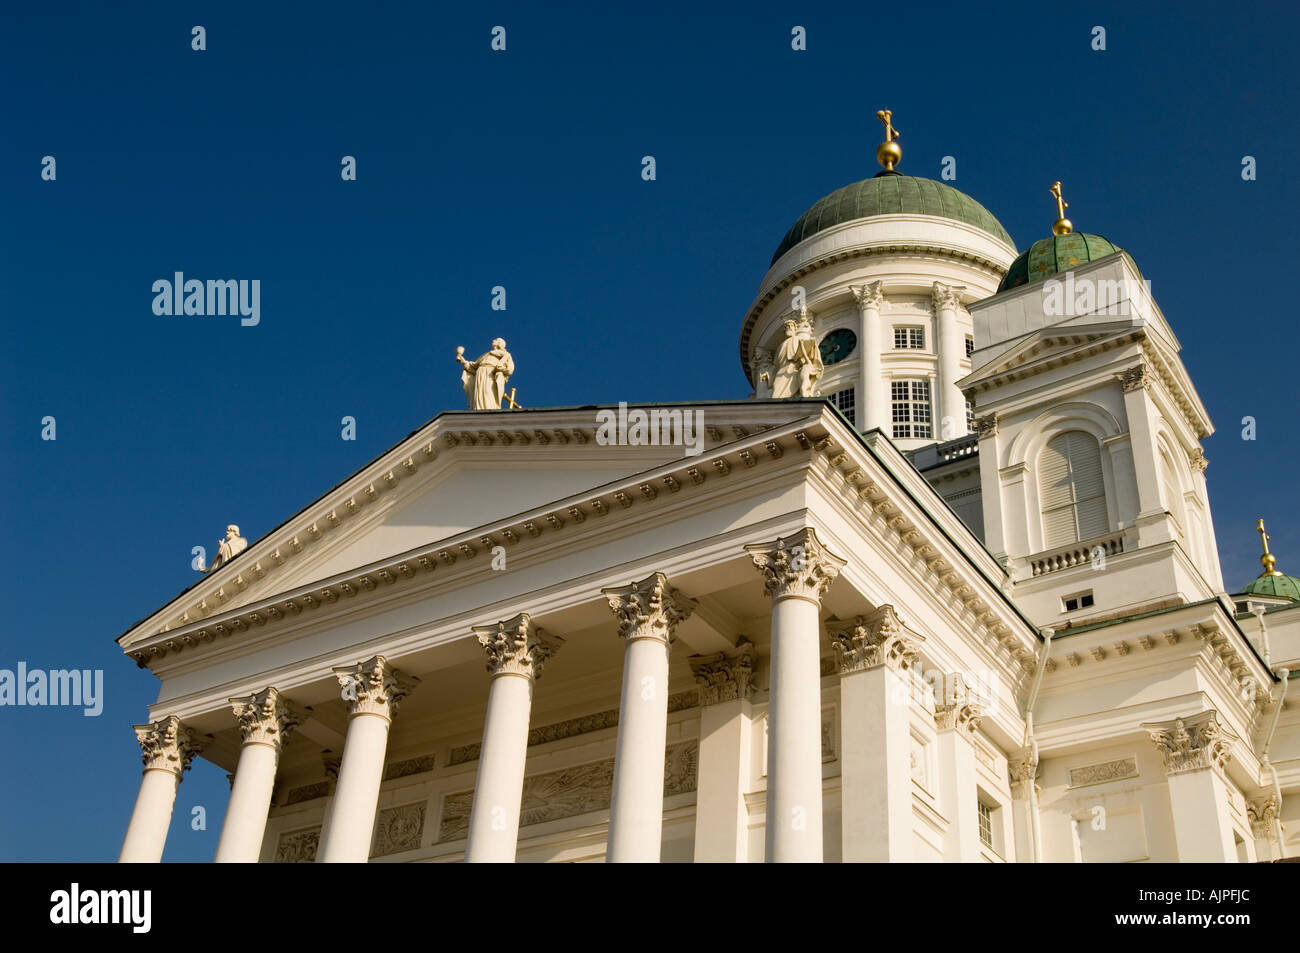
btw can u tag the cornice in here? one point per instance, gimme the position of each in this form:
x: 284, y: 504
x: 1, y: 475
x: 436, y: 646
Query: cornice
x: 1083, y: 343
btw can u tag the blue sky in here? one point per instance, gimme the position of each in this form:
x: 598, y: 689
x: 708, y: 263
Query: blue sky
x: 522, y: 169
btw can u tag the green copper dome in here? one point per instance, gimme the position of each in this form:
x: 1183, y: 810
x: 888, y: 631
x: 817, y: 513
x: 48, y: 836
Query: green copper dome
x: 1056, y: 255
x: 890, y: 193
x: 1286, y: 587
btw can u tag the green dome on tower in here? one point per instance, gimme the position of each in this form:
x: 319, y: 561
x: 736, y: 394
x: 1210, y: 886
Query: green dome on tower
x: 1056, y: 255
x: 1271, y: 582
x: 890, y: 193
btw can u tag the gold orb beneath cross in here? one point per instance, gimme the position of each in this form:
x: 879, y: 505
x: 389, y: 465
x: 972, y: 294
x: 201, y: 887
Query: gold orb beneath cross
x: 888, y: 154
x: 1062, y: 226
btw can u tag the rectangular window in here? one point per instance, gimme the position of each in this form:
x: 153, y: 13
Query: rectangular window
x: 1082, y: 600
x: 986, y: 825
x: 970, y: 345
x: 970, y: 417
x: 910, y: 401
x: 843, y: 401
x: 909, y: 338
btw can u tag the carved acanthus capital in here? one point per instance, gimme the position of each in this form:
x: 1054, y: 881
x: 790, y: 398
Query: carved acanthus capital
x: 944, y: 297
x: 374, y: 687
x: 168, y: 745
x: 957, y: 707
x: 649, y: 609
x: 725, y: 677
x: 870, y: 296
x: 1192, y: 743
x: 986, y: 426
x: 1196, y: 460
x: 1138, y: 376
x: 796, y: 566
x: 872, y: 640
x: 517, y: 646
x: 1022, y: 772
x: 267, y: 717
x: 1263, y: 816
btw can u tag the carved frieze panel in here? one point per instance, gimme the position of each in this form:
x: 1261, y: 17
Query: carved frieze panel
x: 298, y: 847
x: 403, y: 769
x: 308, y: 792
x: 1106, y: 771
x: 398, y: 829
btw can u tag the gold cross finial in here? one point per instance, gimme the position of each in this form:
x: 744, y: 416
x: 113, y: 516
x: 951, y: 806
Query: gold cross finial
x: 510, y: 400
x: 1062, y: 226
x: 889, y: 152
x: 1268, y: 560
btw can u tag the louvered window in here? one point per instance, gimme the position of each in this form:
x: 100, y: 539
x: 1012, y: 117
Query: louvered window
x: 1072, y: 491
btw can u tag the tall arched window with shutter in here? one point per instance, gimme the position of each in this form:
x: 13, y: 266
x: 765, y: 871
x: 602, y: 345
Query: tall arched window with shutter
x: 1071, y: 489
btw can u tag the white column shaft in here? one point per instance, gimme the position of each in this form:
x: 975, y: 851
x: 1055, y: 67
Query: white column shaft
x: 959, y: 797
x: 872, y: 399
x: 794, y: 766
x: 1202, y: 826
x: 952, y: 348
x: 721, y: 817
x: 875, y: 763
x: 356, y: 796
x: 146, y: 835
x: 250, y: 803
x: 499, y: 789
x: 636, y: 814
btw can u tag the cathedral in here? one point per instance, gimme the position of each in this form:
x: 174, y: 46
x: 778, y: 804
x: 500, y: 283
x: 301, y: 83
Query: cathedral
x: 944, y: 588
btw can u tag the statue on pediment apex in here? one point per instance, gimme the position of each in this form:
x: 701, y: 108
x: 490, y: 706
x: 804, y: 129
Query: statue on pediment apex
x: 485, y: 379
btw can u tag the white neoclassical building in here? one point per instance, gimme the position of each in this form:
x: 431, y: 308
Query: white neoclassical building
x: 956, y: 598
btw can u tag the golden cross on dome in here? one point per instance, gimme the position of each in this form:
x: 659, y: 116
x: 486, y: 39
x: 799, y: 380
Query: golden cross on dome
x: 886, y: 116
x: 1268, y: 560
x: 1062, y: 226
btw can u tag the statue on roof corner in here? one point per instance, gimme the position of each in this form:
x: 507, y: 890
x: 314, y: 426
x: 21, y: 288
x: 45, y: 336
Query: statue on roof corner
x: 229, y: 548
x: 798, y: 362
x: 485, y: 379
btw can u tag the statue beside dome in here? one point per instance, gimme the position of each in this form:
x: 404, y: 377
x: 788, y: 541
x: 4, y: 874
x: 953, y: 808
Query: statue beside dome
x: 485, y: 379
x: 799, y: 361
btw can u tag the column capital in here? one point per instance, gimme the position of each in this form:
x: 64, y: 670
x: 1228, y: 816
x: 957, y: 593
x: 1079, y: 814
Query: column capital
x: 1263, y: 815
x: 267, y: 717
x: 374, y: 687
x: 1192, y: 743
x: 986, y: 426
x: 958, y: 709
x: 725, y: 677
x: 168, y: 745
x: 649, y: 609
x: 796, y: 566
x: 945, y: 296
x: 517, y: 646
x: 1136, y: 378
x: 870, y: 295
x: 872, y: 640
x: 1022, y: 772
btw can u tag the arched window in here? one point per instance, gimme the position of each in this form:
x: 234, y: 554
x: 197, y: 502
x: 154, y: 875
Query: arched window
x: 1173, y: 494
x: 1071, y: 489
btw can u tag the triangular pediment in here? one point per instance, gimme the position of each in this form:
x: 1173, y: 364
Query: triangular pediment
x: 461, y: 471
x: 1049, y: 346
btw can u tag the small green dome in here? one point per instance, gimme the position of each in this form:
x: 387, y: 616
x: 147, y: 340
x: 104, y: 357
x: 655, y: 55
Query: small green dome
x: 890, y: 193
x: 1056, y: 255
x: 1285, y: 587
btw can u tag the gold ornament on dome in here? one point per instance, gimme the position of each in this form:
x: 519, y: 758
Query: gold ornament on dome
x: 889, y: 152
x: 1062, y: 225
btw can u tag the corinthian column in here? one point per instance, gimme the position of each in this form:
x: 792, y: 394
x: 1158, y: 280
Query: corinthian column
x: 796, y: 570
x: 648, y: 612
x: 266, y: 718
x: 373, y: 689
x: 875, y: 412
x: 875, y: 656
x: 167, y: 747
x: 516, y: 651
x: 952, y: 348
x: 1195, y: 750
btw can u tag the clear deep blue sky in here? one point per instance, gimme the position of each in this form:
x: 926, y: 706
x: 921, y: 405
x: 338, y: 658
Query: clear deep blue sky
x: 522, y: 169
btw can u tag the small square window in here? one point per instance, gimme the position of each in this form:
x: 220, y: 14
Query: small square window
x: 912, y: 339
x: 1081, y: 600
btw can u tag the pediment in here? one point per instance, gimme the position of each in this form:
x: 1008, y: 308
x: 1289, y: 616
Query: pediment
x: 462, y: 470
x: 1048, y: 346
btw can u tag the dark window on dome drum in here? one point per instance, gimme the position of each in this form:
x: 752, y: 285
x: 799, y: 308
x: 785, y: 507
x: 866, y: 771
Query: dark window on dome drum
x: 844, y: 403
x: 912, y: 339
x: 970, y: 345
x: 911, y: 408
x: 970, y: 416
